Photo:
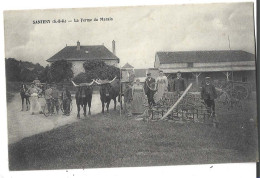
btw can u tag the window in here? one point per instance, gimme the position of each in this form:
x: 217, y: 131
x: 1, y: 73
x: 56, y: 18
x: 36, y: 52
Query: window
x: 190, y: 64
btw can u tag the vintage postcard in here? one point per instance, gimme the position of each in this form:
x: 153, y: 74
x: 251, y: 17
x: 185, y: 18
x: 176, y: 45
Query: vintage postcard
x: 131, y: 86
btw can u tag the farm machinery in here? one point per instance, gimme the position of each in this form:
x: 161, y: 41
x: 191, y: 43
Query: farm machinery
x: 191, y: 108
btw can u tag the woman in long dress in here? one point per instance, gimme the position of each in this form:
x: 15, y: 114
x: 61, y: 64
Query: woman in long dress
x: 138, y: 98
x: 161, y: 85
x: 35, y: 104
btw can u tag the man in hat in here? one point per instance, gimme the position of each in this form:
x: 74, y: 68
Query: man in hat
x: 178, y: 84
x: 149, y: 89
x: 209, y: 94
x: 66, y: 100
x: 55, y: 98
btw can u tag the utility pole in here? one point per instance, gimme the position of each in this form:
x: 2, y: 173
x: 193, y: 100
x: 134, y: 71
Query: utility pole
x: 229, y: 43
x: 230, y: 49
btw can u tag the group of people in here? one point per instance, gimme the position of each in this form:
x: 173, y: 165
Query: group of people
x: 51, y: 95
x: 134, y: 94
x: 155, y: 89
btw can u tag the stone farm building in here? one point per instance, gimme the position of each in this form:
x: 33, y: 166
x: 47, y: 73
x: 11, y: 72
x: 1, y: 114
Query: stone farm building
x: 78, y: 54
x: 222, y: 65
x: 129, y: 73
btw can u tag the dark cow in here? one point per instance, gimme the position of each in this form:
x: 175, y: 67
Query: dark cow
x: 108, y: 90
x: 84, y: 97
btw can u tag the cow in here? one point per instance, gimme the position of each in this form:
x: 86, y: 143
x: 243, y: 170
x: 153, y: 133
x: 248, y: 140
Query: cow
x: 108, y: 90
x: 83, y: 97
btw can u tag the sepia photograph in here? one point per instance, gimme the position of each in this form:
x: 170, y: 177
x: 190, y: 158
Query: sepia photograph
x: 131, y: 86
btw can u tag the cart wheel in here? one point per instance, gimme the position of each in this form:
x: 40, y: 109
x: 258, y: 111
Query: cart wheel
x: 240, y: 92
x: 61, y: 107
x: 45, y: 110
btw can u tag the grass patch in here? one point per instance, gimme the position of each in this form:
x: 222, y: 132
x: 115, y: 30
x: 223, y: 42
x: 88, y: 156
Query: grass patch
x: 113, y: 141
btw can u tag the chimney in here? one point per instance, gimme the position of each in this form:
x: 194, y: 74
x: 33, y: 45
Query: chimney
x: 78, y: 45
x: 114, y: 47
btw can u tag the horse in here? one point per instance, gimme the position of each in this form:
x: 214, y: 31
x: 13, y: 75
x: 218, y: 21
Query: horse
x: 24, y: 96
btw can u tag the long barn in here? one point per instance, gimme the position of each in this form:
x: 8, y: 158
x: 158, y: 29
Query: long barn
x: 234, y: 65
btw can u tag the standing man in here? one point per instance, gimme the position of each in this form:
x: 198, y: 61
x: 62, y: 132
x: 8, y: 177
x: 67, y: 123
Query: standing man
x: 149, y: 89
x: 128, y: 97
x: 48, y: 97
x: 55, y: 98
x: 178, y: 83
x: 209, y: 94
x: 66, y: 99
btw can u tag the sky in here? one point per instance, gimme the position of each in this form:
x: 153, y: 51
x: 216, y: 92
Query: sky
x: 139, y: 31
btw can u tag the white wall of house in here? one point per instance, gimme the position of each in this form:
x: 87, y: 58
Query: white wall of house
x: 220, y: 64
x: 125, y: 74
x: 156, y: 62
x: 111, y: 62
x: 175, y: 65
x: 77, y: 67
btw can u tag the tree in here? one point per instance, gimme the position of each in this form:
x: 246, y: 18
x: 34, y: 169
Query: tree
x: 27, y: 75
x: 93, y: 64
x: 23, y: 71
x: 45, y: 75
x: 97, y: 69
x: 107, y: 72
x: 85, y: 77
x: 12, y: 69
x: 60, y: 71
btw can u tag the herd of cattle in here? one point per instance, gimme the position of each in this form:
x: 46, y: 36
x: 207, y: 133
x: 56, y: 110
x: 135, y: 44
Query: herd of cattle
x: 109, y: 90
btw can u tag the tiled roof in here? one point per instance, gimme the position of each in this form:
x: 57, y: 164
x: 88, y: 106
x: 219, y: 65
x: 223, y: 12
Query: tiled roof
x: 127, y: 66
x: 86, y: 52
x: 204, y: 56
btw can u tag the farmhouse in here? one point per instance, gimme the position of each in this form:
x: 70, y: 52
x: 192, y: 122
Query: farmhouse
x: 234, y: 65
x: 78, y: 54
